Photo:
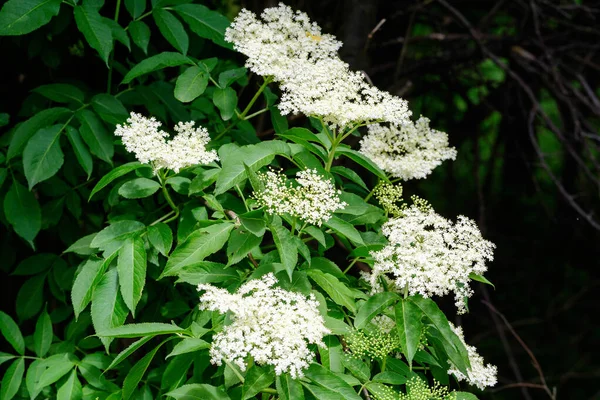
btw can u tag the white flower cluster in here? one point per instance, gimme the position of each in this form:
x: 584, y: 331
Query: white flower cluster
x: 429, y: 255
x: 314, y: 200
x: 142, y: 136
x: 409, y: 151
x: 479, y: 375
x: 271, y: 325
x: 290, y: 49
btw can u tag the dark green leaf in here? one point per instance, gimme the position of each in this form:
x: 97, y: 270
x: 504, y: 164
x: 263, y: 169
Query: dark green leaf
x: 190, y: 84
x: 137, y: 372
x: 131, y: 266
x: 42, y: 337
x: 43, y: 157
x: 12, y: 379
x: 328, y: 380
x: 139, y: 188
x: 4, y: 357
x: 108, y: 308
x: 204, y: 22
x: 23, y: 212
x: 362, y: 160
x: 11, y: 332
x: 71, y: 389
x: 226, y: 78
x: 140, y: 33
x: 95, y: 135
x: 373, y: 307
x: 257, y: 379
x: 30, y: 297
x: 81, y: 151
x: 97, y: 33
x: 350, y: 175
x: 288, y: 252
x: 129, y: 351
x: 254, y: 222
x: 61, y: 92
x: 226, y: 101
x: 85, y: 282
x: 117, y: 232
x: 188, y: 345
x: 135, y: 7
x: 141, y: 329
x: 239, y: 245
x: 109, y: 108
x: 171, y: 29
x: 332, y: 354
x: 197, y: 391
x: 338, y: 291
x: 465, y: 396
x: 391, y: 378
x: 19, y: 17
x: 357, y: 367
x: 344, y: 228
x: 35, y: 264
x: 95, y: 377
x: 161, y: 237
x: 115, y: 174
x: 409, y: 326
x: 155, y: 63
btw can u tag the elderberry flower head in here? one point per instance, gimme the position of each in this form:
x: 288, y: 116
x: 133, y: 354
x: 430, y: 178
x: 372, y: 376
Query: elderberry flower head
x: 313, y: 200
x: 429, y: 255
x: 142, y: 136
x: 272, y: 325
x: 408, y: 151
x: 479, y: 375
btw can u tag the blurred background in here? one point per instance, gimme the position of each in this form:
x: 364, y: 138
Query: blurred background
x: 515, y: 84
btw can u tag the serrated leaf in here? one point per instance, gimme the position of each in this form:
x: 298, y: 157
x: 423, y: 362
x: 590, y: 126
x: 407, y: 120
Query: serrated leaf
x: 357, y: 367
x: 363, y: 161
x: 288, y: 252
x: 115, y: 174
x: 257, y: 379
x: 239, y: 245
x: 95, y: 377
x: 108, y: 308
x: 12, y: 379
x: 332, y: 354
x: 328, y: 380
x: 128, y: 351
x: 42, y: 336
x: 54, y: 368
x: 71, y: 389
x: 161, y: 237
x: 465, y: 396
x: 338, y: 291
x: 171, y: 29
x: 141, y: 329
x: 409, y: 327
x: 19, y: 17
x: 344, y: 228
x: 109, y: 108
x: 28, y: 128
x: 350, y: 175
x: 61, y: 92
x: 205, y: 22
x: 188, y: 345
x: 117, y: 232
x: 137, y: 372
x: 139, y: 188
x: 42, y: 156
x: 81, y: 151
x: 226, y: 78
x: 140, y: 34
x: 4, y: 357
x: 22, y: 210
x: 97, y: 33
x: 155, y: 63
x: 198, y: 391
x: 95, y: 135
x: 191, y: 84
x: 35, y: 264
x: 85, y: 282
x: 199, y: 245
x: 11, y: 332
x: 254, y: 222
x: 131, y: 266
x: 373, y: 307
x: 206, y: 272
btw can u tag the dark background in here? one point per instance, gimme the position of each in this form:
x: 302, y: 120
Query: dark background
x: 515, y: 85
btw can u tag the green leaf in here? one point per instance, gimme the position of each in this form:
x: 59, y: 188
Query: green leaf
x: 328, y: 380
x: 171, y: 29
x: 304, y: 137
x: 373, y: 307
x: 34, y: 372
x: 36, y: 264
x: 83, y: 246
x: 81, y: 151
x: 455, y: 348
x: 226, y: 78
x: 61, y: 93
x: 28, y: 128
x: 176, y: 372
x: 188, y: 345
x: 19, y: 17
x: 155, y: 63
x: 22, y: 210
x: 140, y: 33
x: 115, y: 174
x: 205, y: 23
x: 108, y: 308
x: 480, y: 278
x: 137, y: 372
x: 117, y: 232
x: 350, y: 175
x: 71, y: 389
x: 344, y: 228
x: 139, y: 188
x: 321, y: 393
x: 254, y: 222
x: 280, y: 122
x: 206, y: 272
x: 465, y: 396
x: 11, y: 332
x: 43, y: 157
x: 141, y: 329
x: 135, y: 7
x: 97, y: 33
x: 317, y: 234
x: 42, y: 336
x: 191, y: 84
x: 357, y: 367
x: 288, y: 252
x: 197, y: 391
x: 239, y: 245
x: 4, y: 119
x: 288, y: 388
x: 332, y: 354
x: 53, y: 368
x: 161, y: 237
x: 85, y: 282
x: 199, y: 245
x: 109, y: 108
x: 338, y: 291
x: 409, y: 325
x: 129, y: 351
x: 95, y: 135
x: 226, y: 101
x: 257, y: 379
x: 131, y: 266
x: 30, y: 297
x: 362, y: 160
x: 391, y: 378
x: 11, y: 381
x: 4, y: 357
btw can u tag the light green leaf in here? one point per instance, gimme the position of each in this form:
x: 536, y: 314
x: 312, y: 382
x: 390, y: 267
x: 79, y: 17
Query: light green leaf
x: 109, y: 108
x: 332, y: 354
x: 81, y: 151
x: 12, y: 379
x: 129, y: 351
x: 108, y: 308
x: 161, y: 237
x: 199, y: 245
x: 54, y: 368
x: 19, y: 17
x: 189, y: 345
x: 97, y: 33
x: 226, y: 101
x: 61, y: 93
x: 257, y: 379
x: 43, y: 157
x: 139, y: 188
x: 4, y: 357
x: 197, y: 391
x: 115, y: 174
x: 239, y: 245
x: 391, y: 378
x: 95, y: 135
x: 409, y: 326
x: 191, y: 84
x: 141, y: 329
x: 117, y: 232
x: 140, y: 33
x: 83, y: 246
x: 155, y: 63
x: 480, y: 278
x: 254, y: 222
x: 30, y: 297
x: 288, y: 388
x: 288, y: 252
x: 465, y: 396
x: 42, y: 336
x: 206, y: 272
x: 344, y: 228
x: 328, y: 380
x: 71, y: 389
x: 338, y: 291
x: 373, y: 307
x: 357, y: 367
x: 22, y: 210
x: 11, y: 332
x: 362, y: 160
x: 171, y: 29
x: 205, y: 23
x: 131, y: 266
x: 28, y: 128
x: 85, y: 282
x: 321, y: 393
x: 135, y: 7
x: 34, y: 372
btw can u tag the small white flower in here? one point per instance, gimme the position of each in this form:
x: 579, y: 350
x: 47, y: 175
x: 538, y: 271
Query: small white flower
x: 409, y: 151
x: 142, y: 136
x: 313, y: 200
x: 272, y: 325
x: 479, y: 375
x: 429, y: 255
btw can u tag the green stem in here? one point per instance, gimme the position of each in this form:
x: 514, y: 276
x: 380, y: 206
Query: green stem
x: 255, y: 114
x: 383, y: 364
x: 269, y: 391
x: 335, y: 143
x: 256, y: 95
x: 163, y: 185
x: 371, y: 192
x: 237, y: 189
x: 406, y: 290
x: 167, y: 215
x: 350, y: 266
